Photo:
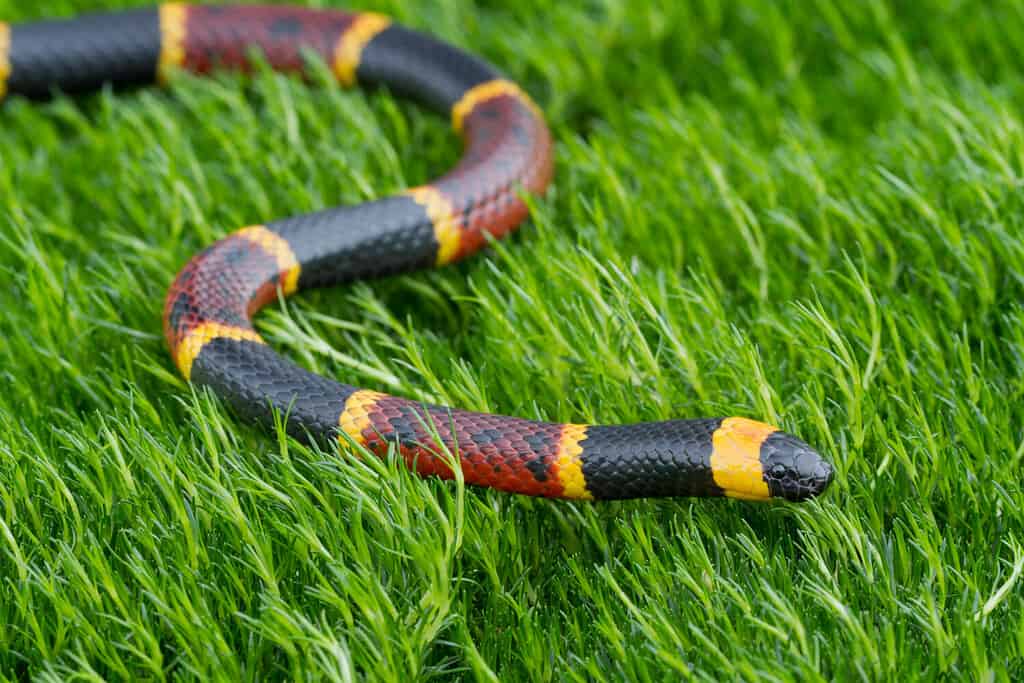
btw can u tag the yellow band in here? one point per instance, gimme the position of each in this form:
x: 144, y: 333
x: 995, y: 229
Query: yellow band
x: 442, y: 215
x: 5, y: 57
x: 203, y: 334
x: 570, y: 466
x: 173, y: 31
x: 355, y: 418
x: 736, y: 458
x: 278, y: 247
x: 349, y: 50
x: 486, y: 91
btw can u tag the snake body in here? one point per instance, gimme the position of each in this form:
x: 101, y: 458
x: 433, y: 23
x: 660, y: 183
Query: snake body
x: 507, y: 154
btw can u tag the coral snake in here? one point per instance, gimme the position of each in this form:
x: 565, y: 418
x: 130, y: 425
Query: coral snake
x: 507, y: 154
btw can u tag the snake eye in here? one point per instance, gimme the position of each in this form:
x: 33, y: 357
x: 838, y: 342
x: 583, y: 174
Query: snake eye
x: 792, y: 469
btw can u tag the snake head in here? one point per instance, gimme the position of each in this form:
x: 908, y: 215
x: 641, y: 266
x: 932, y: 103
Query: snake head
x: 792, y: 469
x: 755, y: 461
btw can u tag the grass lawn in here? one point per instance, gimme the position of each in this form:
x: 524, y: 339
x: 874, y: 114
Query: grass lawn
x: 808, y: 213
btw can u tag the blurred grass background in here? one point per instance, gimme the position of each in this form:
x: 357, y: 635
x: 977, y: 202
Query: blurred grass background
x: 803, y: 212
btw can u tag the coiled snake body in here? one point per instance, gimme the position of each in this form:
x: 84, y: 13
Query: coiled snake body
x: 508, y: 153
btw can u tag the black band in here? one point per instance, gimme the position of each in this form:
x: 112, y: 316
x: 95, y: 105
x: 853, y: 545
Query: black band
x: 417, y: 66
x: 84, y: 53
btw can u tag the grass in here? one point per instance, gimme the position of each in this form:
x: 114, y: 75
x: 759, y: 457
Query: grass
x: 809, y: 213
